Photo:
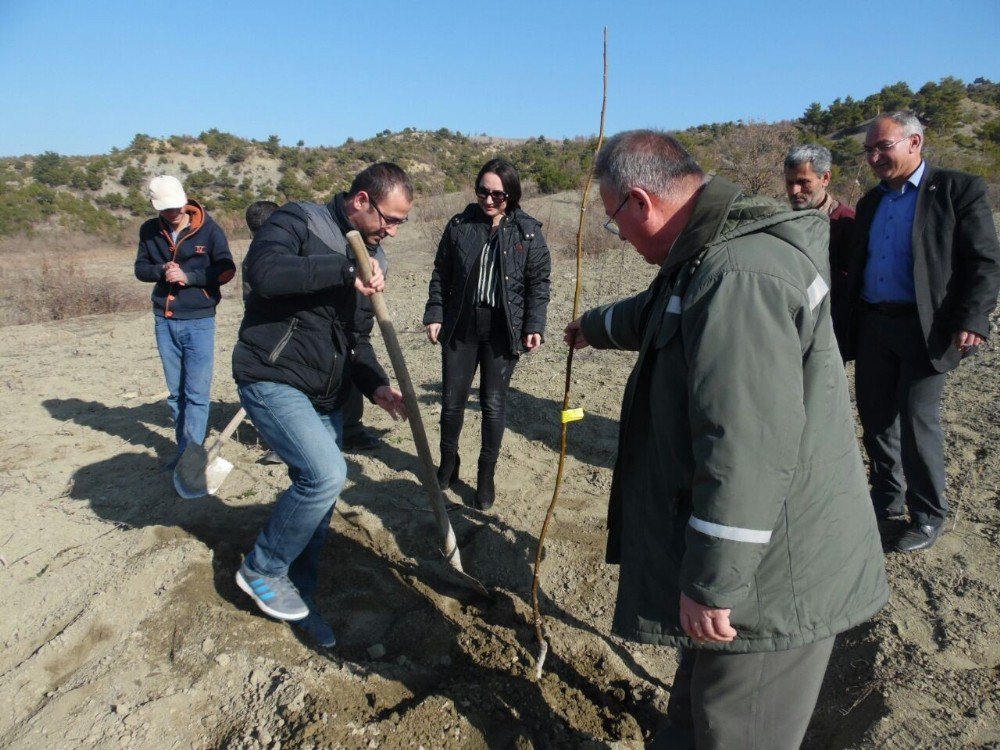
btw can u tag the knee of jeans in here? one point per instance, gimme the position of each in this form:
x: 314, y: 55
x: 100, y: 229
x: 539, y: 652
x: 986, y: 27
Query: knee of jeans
x: 327, y: 480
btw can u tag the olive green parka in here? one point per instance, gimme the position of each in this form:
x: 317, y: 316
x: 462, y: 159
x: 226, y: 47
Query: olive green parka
x: 738, y: 479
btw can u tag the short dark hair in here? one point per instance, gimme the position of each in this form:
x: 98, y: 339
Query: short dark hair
x: 647, y: 159
x: 379, y: 180
x: 258, y: 212
x: 509, y: 178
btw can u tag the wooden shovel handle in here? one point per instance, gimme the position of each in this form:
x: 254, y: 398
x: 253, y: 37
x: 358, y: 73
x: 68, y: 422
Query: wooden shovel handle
x: 429, y: 475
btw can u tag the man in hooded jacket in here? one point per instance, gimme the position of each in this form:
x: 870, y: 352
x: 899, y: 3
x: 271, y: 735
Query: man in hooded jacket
x: 739, y: 512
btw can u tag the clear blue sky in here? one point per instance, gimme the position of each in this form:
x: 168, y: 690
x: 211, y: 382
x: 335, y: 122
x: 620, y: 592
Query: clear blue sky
x: 81, y: 77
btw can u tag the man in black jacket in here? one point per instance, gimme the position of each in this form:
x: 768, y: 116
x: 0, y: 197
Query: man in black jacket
x: 924, y: 279
x: 304, y: 339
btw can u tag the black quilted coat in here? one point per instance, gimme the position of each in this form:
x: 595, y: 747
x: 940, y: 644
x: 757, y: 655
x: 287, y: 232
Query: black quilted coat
x: 524, y: 267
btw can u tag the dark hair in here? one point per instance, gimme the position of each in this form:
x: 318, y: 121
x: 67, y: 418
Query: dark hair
x: 647, y: 159
x: 379, y: 180
x: 257, y: 213
x: 509, y: 178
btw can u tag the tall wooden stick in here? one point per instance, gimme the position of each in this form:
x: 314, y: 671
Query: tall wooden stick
x: 543, y: 647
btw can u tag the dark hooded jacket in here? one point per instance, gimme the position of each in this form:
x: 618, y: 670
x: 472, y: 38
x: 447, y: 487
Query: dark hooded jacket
x: 304, y: 324
x: 738, y: 479
x: 203, y: 254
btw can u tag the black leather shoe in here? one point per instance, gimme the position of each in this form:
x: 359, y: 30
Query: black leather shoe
x: 919, y: 536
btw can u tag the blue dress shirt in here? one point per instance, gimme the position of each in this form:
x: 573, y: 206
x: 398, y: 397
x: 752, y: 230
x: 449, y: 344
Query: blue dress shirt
x: 889, y: 272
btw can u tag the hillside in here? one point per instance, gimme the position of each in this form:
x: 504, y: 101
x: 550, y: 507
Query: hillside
x: 103, y: 195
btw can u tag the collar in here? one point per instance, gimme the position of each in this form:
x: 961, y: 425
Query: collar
x: 707, y: 219
x: 913, y: 180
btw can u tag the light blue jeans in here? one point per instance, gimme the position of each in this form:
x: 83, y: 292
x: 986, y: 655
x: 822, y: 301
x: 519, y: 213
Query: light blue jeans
x: 309, y: 442
x: 187, y: 351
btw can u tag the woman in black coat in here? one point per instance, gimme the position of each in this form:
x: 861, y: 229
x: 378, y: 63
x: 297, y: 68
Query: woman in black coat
x: 486, y: 305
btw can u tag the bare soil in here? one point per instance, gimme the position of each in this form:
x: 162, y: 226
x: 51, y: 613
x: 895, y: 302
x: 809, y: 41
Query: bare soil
x: 122, y: 626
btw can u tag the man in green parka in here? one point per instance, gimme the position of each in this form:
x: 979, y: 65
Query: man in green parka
x: 739, y: 510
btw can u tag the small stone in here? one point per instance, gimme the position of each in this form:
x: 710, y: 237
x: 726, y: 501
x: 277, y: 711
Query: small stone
x: 263, y: 736
x: 121, y: 709
x: 208, y: 645
x: 377, y: 651
x: 223, y: 660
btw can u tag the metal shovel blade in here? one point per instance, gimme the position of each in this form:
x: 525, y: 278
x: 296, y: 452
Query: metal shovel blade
x: 196, y: 475
x: 201, y: 471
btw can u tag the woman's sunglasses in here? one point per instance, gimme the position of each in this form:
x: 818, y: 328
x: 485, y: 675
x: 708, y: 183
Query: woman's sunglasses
x: 498, y: 196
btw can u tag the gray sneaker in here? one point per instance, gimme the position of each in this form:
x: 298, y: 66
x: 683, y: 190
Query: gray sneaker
x: 275, y: 595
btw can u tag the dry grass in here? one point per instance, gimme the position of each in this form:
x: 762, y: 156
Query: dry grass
x: 55, y: 275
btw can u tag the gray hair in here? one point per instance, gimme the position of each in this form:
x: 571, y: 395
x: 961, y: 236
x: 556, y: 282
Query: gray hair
x: 646, y: 159
x: 906, y: 120
x: 810, y: 153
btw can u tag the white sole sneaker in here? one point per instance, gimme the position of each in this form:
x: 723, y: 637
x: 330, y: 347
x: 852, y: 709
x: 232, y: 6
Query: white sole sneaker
x: 260, y: 592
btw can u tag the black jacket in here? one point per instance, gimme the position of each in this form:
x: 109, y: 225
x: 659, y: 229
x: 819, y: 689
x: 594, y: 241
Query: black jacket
x: 303, y: 324
x: 203, y: 254
x: 524, y: 267
x: 956, y: 259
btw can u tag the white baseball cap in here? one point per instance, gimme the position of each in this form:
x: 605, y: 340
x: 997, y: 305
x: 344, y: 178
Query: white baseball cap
x: 166, y: 192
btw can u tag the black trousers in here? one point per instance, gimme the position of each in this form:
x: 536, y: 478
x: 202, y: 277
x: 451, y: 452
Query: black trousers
x: 760, y: 701
x: 480, y: 341
x: 899, y: 403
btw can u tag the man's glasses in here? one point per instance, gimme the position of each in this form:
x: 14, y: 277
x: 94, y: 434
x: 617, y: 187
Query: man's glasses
x: 389, y: 221
x: 883, y: 147
x: 498, y: 196
x: 611, y: 225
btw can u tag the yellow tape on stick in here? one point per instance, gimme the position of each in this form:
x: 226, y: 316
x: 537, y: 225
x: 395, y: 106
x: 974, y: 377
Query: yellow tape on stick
x: 571, y: 415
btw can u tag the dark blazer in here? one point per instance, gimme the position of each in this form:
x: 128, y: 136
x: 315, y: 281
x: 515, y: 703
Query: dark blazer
x: 956, y: 259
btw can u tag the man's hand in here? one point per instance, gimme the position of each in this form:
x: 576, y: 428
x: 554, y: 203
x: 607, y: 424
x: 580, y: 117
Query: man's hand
x: 965, y: 340
x: 532, y: 341
x: 433, y: 331
x: 375, y: 284
x: 173, y: 273
x: 573, y: 336
x: 705, y: 623
x: 391, y: 400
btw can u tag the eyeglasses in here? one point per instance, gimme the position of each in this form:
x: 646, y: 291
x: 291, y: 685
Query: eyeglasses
x: 611, y: 225
x: 498, y: 196
x: 881, y: 148
x: 389, y: 221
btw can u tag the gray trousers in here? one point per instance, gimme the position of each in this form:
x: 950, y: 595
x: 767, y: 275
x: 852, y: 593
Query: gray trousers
x: 899, y: 403
x: 726, y: 701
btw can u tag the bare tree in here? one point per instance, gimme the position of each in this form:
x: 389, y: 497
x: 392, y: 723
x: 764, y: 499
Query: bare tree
x: 752, y: 155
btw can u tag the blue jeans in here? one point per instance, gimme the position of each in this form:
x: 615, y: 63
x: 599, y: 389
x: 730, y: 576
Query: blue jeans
x: 309, y: 442
x: 187, y: 351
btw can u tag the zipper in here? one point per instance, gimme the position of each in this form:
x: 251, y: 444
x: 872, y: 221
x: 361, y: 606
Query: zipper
x: 333, y: 373
x: 280, y: 346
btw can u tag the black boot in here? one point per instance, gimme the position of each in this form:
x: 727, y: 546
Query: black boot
x: 485, y: 490
x: 447, y: 473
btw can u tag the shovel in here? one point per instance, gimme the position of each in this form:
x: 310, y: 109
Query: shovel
x: 428, y: 475
x: 201, y: 472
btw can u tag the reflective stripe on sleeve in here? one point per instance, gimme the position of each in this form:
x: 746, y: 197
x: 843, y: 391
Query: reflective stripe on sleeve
x: 732, y: 533
x: 674, y: 304
x: 816, y: 292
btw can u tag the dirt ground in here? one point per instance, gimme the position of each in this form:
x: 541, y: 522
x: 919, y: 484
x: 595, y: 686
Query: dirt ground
x: 122, y: 626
